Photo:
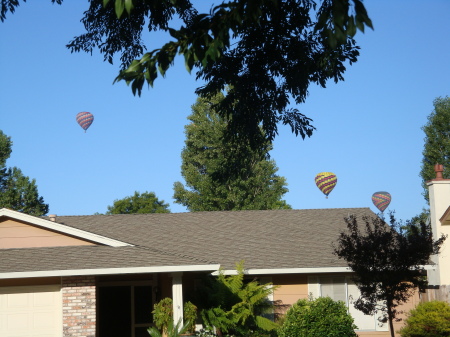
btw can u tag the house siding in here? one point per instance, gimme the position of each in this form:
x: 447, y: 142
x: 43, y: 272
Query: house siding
x: 16, y: 234
x: 291, y: 288
x: 79, y: 306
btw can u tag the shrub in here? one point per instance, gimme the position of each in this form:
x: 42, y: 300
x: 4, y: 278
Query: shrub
x: 190, y: 315
x: 428, y: 319
x: 232, y: 306
x: 318, y: 318
x: 163, y: 314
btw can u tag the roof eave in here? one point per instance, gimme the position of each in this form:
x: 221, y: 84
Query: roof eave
x: 275, y: 271
x: 111, y: 271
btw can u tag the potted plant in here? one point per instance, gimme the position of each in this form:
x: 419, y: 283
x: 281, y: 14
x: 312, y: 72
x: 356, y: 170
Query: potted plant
x: 163, y: 314
x: 190, y: 316
x: 163, y: 317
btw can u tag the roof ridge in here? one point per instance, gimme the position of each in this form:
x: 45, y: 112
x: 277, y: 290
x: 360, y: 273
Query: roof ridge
x: 206, y: 212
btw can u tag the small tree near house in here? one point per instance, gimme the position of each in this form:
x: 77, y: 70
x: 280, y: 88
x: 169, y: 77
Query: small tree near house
x: 387, y: 261
x: 230, y: 305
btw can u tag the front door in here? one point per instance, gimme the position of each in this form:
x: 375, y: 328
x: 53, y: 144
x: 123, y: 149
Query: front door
x: 124, y: 311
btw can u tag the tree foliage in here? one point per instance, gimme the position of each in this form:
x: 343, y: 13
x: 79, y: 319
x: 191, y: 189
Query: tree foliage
x: 5, y: 149
x: 17, y: 191
x: 140, y: 203
x: 388, y: 263
x: 317, y: 318
x: 268, y: 51
x: 428, y: 319
x: 224, y: 174
x: 437, y: 142
x: 233, y: 306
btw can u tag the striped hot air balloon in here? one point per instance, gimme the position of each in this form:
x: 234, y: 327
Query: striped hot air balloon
x: 326, y: 181
x: 381, y: 200
x: 85, y: 119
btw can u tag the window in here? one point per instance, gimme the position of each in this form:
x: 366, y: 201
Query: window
x: 124, y: 310
x: 341, y: 288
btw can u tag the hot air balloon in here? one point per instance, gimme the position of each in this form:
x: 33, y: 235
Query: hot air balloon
x: 326, y: 181
x: 381, y: 200
x: 85, y: 119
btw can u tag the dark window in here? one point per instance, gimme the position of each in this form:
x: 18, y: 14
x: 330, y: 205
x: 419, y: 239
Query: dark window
x: 114, y: 311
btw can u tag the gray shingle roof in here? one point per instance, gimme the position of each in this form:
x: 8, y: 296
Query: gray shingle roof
x: 88, y: 257
x: 272, y: 239
x: 263, y: 239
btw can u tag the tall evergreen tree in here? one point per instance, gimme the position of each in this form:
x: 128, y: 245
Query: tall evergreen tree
x: 437, y: 142
x: 17, y: 191
x: 224, y: 174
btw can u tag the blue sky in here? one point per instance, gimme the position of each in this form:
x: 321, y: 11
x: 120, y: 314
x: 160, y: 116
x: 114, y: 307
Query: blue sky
x: 368, y: 127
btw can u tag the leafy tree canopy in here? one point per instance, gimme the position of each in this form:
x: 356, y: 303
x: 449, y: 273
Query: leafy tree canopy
x: 140, y: 203
x: 17, y: 191
x: 268, y: 51
x: 437, y: 142
x: 388, y: 262
x: 225, y: 174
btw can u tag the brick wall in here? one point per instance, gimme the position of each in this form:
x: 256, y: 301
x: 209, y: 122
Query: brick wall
x: 79, y: 312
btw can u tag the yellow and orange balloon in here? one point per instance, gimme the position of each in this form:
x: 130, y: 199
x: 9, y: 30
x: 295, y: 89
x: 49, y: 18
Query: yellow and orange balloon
x: 326, y: 181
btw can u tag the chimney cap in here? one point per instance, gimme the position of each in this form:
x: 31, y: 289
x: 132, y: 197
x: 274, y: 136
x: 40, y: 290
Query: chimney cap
x: 439, y: 168
x: 52, y: 217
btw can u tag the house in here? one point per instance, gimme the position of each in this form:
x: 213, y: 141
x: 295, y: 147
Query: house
x: 439, y: 276
x: 100, y: 275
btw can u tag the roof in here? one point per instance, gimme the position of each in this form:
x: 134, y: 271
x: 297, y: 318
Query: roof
x: 445, y: 218
x: 265, y: 240
x: 94, y: 260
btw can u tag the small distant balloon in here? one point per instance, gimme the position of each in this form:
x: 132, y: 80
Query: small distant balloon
x: 85, y: 119
x: 381, y: 200
x: 326, y: 181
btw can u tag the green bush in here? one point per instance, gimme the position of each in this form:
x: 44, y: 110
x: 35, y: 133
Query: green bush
x: 163, y: 314
x: 318, y: 318
x: 428, y: 319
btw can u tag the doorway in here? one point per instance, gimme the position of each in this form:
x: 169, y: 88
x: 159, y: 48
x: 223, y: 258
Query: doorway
x: 124, y: 310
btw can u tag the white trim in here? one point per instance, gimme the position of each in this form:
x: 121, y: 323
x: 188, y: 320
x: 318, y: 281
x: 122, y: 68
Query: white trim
x: 54, y: 226
x: 110, y: 271
x: 289, y: 271
x: 319, y: 270
x: 437, y: 182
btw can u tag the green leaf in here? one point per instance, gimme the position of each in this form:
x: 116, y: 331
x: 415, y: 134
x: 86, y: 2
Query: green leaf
x: 119, y: 7
x: 129, y: 6
x: 351, y: 27
x: 189, y: 61
x: 265, y: 323
x: 134, y: 66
